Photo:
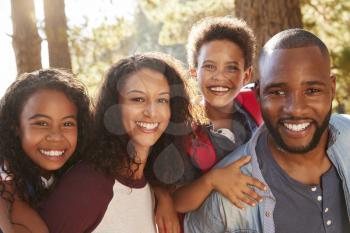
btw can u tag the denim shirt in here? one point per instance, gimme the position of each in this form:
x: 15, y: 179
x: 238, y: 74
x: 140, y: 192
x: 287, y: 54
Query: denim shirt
x: 218, y: 215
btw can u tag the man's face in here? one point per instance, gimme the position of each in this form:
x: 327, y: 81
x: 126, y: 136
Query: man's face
x: 296, y: 93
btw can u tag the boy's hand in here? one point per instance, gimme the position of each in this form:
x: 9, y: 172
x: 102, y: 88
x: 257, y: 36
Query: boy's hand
x: 235, y: 186
x: 166, y: 216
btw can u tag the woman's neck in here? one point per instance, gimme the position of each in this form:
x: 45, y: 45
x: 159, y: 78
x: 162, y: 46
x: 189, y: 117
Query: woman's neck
x: 141, y: 159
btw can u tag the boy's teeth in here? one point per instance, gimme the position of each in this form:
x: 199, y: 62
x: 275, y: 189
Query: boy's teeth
x: 52, y: 152
x: 222, y: 89
x: 147, y: 125
x: 296, y: 127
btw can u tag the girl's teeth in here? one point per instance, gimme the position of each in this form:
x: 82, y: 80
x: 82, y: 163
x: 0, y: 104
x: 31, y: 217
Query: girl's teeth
x: 296, y: 127
x: 52, y: 152
x: 146, y: 125
x: 219, y: 89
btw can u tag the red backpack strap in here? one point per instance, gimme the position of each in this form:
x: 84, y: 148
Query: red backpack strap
x: 201, y: 150
x: 247, y: 99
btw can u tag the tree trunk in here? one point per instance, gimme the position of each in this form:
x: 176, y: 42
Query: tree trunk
x: 56, y: 32
x: 268, y: 17
x: 25, y: 40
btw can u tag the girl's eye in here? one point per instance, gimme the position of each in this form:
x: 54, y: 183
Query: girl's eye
x: 40, y: 123
x: 209, y: 67
x: 163, y: 100
x: 138, y: 99
x: 69, y: 124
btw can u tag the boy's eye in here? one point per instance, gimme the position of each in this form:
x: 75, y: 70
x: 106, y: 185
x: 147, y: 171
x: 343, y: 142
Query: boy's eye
x: 163, y: 100
x: 232, y: 68
x: 138, y: 99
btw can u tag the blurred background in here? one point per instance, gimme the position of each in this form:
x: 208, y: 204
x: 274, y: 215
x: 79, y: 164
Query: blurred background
x: 87, y: 36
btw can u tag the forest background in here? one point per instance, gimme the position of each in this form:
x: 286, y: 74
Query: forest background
x: 91, y: 46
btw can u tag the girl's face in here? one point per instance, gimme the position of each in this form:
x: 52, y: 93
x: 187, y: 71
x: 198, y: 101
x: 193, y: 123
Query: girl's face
x: 145, y: 107
x: 48, y: 128
x: 221, y: 72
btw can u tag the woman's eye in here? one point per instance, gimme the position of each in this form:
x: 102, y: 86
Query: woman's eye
x: 138, y: 99
x: 163, y: 100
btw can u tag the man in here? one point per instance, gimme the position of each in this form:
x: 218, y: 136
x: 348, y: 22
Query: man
x: 300, y: 153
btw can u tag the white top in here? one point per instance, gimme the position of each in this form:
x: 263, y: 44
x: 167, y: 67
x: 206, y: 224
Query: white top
x: 131, y: 210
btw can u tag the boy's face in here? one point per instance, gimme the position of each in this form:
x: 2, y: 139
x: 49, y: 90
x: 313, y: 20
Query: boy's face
x: 296, y: 93
x: 221, y: 73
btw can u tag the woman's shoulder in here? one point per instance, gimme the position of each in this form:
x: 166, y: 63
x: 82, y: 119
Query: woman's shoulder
x: 84, y: 174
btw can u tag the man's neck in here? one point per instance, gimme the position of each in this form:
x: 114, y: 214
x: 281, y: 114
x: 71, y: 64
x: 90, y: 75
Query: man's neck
x: 307, y: 168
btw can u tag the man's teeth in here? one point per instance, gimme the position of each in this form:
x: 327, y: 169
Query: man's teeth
x: 52, y: 152
x: 296, y: 127
x: 146, y: 125
x: 219, y: 89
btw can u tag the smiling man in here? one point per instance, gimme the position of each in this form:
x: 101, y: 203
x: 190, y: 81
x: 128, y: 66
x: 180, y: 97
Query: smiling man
x: 301, y: 152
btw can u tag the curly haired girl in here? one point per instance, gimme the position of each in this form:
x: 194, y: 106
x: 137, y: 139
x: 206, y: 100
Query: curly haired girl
x: 44, y: 120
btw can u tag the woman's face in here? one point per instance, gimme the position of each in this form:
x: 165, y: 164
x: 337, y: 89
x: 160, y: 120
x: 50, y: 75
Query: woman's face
x: 145, y: 107
x: 48, y: 129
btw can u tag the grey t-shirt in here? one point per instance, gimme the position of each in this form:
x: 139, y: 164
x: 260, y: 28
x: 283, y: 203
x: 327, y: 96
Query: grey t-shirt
x: 303, y: 208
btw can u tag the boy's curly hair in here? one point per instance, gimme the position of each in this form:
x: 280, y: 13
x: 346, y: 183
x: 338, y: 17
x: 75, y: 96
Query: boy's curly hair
x: 221, y: 28
x: 114, y: 152
x: 26, y: 178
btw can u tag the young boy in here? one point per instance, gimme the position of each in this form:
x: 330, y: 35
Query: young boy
x: 220, y: 55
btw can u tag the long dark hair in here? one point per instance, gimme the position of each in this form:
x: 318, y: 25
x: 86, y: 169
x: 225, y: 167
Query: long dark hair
x: 114, y: 152
x: 25, y: 174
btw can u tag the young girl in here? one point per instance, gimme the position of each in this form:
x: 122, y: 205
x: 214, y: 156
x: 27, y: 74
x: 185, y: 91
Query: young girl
x: 143, y: 118
x: 44, y: 120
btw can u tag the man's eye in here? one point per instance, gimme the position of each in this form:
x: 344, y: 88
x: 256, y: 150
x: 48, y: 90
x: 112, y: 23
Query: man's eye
x: 276, y: 92
x: 312, y: 91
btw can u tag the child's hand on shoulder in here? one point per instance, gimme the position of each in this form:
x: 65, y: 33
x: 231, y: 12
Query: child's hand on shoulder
x: 236, y: 186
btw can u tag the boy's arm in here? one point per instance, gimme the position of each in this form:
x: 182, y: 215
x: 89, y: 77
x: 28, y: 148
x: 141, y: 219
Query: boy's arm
x: 229, y: 181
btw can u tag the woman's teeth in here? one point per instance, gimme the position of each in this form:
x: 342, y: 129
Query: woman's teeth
x: 52, y: 152
x: 147, y: 125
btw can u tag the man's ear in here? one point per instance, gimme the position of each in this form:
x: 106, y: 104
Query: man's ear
x: 193, y: 73
x: 333, y: 85
x: 257, y: 89
x: 248, y: 73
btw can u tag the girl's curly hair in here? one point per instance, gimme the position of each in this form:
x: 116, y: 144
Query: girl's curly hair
x: 114, y: 152
x: 25, y: 174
